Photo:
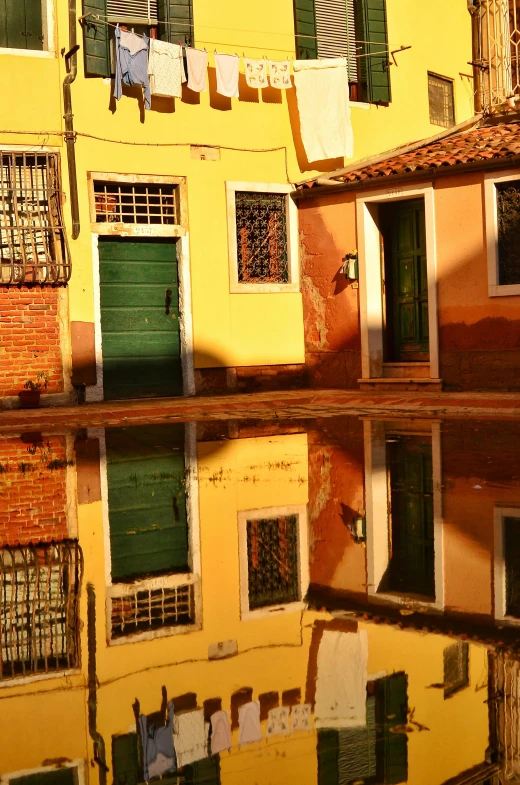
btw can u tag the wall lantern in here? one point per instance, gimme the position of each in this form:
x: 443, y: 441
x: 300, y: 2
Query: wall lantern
x: 350, y: 268
x: 358, y: 527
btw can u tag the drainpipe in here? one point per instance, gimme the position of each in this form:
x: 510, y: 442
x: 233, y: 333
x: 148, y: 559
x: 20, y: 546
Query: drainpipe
x: 95, y: 735
x: 474, y: 7
x: 71, y: 64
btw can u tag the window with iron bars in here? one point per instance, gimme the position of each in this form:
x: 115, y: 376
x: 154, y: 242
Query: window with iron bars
x: 508, y: 206
x: 136, y: 203
x: 261, y: 226
x: 497, y: 52
x: 440, y: 97
x: 33, y: 244
x: 456, y: 668
x: 39, y: 608
x: 149, y: 609
x: 272, y: 561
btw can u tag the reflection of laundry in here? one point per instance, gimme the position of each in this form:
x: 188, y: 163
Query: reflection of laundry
x: 220, y: 732
x: 189, y: 737
x: 197, y: 62
x: 166, y: 68
x: 227, y: 74
x: 256, y: 73
x: 322, y: 93
x: 131, y: 69
x: 357, y: 749
x: 249, y: 723
x: 341, y: 683
x: 301, y: 717
x: 278, y: 721
x: 280, y: 74
x: 157, y: 744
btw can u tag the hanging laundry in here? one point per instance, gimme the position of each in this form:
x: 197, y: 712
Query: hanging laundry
x: 166, y: 69
x: 322, y: 93
x: 256, y: 73
x: 190, y: 737
x: 227, y: 74
x: 131, y: 64
x: 280, y: 74
x: 341, y: 683
x: 278, y: 721
x: 220, y: 732
x: 249, y: 723
x: 197, y: 61
x: 301, y: 717
x: 157, y: 745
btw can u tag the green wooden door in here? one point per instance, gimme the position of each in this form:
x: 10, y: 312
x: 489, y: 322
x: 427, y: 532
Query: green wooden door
x: 391, y: 712
x: 139, y: 318
x: 512, y: 560
x: 146, y: 501
x: 407, y: 283
x: 411, y: 568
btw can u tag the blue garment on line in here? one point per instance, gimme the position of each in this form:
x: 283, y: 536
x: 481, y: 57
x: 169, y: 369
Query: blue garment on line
x: 157, y: 740
x: 132, y: 69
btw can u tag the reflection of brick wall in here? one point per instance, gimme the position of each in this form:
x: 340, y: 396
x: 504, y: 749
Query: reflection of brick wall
x: 33, y: 495
x: 29, y: 337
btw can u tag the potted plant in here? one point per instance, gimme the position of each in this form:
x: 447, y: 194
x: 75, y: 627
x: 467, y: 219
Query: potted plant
x: 30, y: 395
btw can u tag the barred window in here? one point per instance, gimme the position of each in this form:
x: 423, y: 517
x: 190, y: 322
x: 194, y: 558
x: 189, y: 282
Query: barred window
x: 145, y: 609
x: 456, y: 668
x: 440, y: 96
x: 39, y: 608
x: 272, y: 561
x: 508, y: 205
x: 261, y: 226
x: 135, y: 203
x: 33, y: 245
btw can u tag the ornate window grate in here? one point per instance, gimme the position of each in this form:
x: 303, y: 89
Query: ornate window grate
x: 39, y: 608
x: 33, y: 245
x: 272, y: 561
x: 440, y: 96
x: 508, y: 205
x: 456, y: 668
x: 135, y: 203
x: 261, y: 226
x: 149, y: 609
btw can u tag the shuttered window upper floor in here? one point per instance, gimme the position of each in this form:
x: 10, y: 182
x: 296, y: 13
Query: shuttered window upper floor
x: 26, y: 25
x: 354, y: 29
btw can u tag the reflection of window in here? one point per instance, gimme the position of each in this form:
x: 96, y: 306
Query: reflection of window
x: 21, y: 24
x: 64, y: 776
x: 272, y: 561
x: 508, y: 206
x: 456, y: 668
x: 261, y: 237
x: 512, y: 564
x: 440, y: 97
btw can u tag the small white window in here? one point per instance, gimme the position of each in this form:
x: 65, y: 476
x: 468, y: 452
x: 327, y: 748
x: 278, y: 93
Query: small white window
x: 502, y: 200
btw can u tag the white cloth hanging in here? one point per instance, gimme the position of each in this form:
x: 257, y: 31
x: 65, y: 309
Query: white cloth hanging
x: 197, y: 61
x: 166, y: 69
x: 220, y: 732
x: 249, y: 723
x: 341, y: 683
x: 189, y: 737
x: 278, y: 721
x: 322, y: 93
x: 256, y: 73
x: 280, y: 74
x: 227, y: 74
x: 301, y: 717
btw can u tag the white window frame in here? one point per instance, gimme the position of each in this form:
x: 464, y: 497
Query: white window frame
x: 500, y: 563
x: 300, y: 511
x: 490, y: 200
x: 293, y: 284
x: 48, y: 30
x: 78, y: 765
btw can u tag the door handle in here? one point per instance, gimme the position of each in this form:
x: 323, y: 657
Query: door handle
x: 167, y: 301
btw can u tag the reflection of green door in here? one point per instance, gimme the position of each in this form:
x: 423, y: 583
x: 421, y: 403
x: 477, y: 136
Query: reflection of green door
x: 411, y: 567
x: 146, y: 501
x: 139, y: 318
x: 407, y: 284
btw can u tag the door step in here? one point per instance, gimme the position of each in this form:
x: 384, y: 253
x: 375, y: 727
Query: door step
x: 383, y: 384
x: 406, y: 370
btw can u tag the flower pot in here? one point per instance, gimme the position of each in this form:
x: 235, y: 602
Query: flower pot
x: 29, y: 399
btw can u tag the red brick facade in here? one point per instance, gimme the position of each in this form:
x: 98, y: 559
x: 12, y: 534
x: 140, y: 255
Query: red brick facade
x: 33, y: 495
x: 29, y: 338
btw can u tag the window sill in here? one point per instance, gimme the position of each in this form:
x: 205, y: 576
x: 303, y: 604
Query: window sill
x: 264, y: 288
x: 46, y: 55
x: 29, y: 679
x: 359, y: 105
x: 508, y: 290
x: 273, y: 610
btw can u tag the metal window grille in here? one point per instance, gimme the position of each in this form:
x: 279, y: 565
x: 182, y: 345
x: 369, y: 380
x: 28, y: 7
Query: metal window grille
x: 150, y: 609
x: 261, y: 226
x: 39, y: 610
x: 33, y: 245
x: 135, y: 203
x: 498, y: 55
x: 272, y: 561
x: 440, y: 96
x: 144, y: 11
x: 508, y: 207
x: 456, y: 668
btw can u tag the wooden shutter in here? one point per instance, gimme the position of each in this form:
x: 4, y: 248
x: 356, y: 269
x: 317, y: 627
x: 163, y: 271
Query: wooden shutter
x: 374, y: 61
x: 328, y: 751
x: 125, y: 760
x: 96, y: 39
x: 395, y: 712
x: 21, y: 24
x: 512, y: 558
x: 176, y: 21
x: 305, y: 26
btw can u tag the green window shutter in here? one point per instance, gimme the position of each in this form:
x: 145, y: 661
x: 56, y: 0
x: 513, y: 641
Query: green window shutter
x: 125, y: 759
x: 33, y: 29
x: 512, y: 558
x: 96, y: 43
x: 21, y: 25
x: 176, y: 21
x: 305, y: 26
x: 394, y: 710
x: 328, y: 754
x: 374, y: 62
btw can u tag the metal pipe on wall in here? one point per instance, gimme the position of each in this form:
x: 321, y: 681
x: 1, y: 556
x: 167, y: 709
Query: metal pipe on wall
x: 71, y: 64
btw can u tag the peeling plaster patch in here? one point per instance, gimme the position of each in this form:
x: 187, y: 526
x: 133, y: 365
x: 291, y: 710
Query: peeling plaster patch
x: 315, y: 319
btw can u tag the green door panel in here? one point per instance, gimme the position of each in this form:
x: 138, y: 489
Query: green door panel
x: 393, y: 753
x: 512, y: 559
x: 63, y: 776
x: 21, y: 24
x: 125, y: 759
x: 147, y: 501
x: 305, y: 27
x: 139, y: 318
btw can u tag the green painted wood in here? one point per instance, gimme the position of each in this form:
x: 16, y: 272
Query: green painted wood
x: 305, y: 28
x: 140, y: 341
x: 21, y: 24
x: 146, y: 501
x: 512, y: 559
x: 374, y: 70
x: 64, y: 776
x: 391, y: 712
x: 328, y: 754
x: 176, y: 21
x: 96, y: 42
x: 125, y: 759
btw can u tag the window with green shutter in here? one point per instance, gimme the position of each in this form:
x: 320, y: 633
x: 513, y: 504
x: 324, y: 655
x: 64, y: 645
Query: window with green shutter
x: 21, y: 24
x: 354, y: 29
x: 64, y: 776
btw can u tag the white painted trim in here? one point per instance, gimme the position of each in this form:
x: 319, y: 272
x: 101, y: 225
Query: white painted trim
x: 94, y: 394
x: 24, y: 680
x: 48, y: 31
x: 77, y: 764
x: 292, y: 239
x: 491, y: 213
x: 500, y: 564
x: 37, y: 53
x: 300, y: 510
x: 377, y: 504
x: 370, y: 281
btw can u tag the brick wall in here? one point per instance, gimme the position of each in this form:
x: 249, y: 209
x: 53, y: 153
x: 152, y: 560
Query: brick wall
x: 29, y: 337
x: 33, y: 496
